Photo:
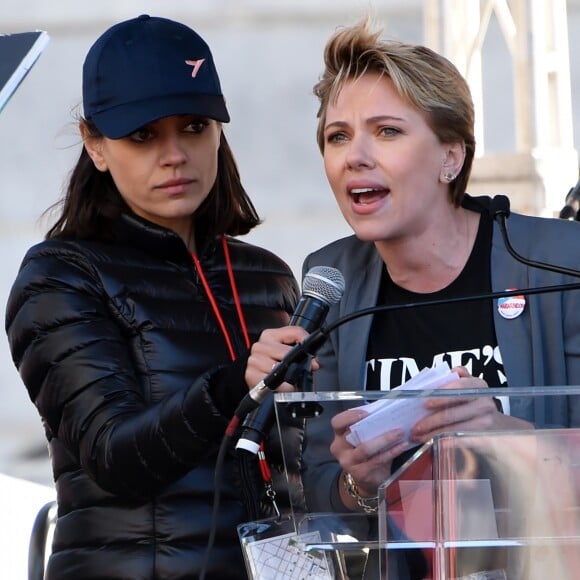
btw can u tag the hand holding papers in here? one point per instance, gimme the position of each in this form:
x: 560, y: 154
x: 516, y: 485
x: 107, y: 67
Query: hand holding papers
x: 401, y: 413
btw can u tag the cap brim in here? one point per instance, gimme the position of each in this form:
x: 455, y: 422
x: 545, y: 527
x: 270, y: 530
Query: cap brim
x: 123, y: 120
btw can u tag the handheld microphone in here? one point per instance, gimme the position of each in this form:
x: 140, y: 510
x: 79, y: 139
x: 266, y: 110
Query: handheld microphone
x: 322, y: 286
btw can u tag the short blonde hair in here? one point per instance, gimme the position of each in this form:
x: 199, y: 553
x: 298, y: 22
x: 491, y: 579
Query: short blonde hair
x: 427, y: 80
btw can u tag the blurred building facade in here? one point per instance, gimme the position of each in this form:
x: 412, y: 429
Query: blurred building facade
x: 543, y: 162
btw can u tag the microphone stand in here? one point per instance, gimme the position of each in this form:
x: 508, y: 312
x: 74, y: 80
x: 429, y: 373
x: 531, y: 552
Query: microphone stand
x: 500, y: 212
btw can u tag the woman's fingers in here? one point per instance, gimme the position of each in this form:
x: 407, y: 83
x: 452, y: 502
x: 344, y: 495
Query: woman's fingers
x: 469, y: 415
x: 341, y: 422
x: 272, y: 346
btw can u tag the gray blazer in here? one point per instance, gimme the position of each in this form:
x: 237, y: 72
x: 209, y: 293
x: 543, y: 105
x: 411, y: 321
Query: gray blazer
x: 540, y: 347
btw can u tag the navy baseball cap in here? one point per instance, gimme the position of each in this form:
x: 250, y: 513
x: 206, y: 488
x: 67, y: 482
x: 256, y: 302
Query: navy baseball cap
x: 146, y: 68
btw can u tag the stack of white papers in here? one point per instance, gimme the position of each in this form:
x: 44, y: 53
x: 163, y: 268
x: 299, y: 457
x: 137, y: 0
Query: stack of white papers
x: 402, y: 413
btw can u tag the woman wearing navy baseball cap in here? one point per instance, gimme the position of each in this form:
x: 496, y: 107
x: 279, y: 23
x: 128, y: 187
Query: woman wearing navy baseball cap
x: 132, y: 322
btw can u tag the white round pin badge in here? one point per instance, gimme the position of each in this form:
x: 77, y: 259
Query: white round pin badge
x: 511, y: 306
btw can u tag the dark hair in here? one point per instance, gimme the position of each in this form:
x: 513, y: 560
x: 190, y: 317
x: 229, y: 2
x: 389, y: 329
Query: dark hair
x: 427, y: 80
x: 92, y: 201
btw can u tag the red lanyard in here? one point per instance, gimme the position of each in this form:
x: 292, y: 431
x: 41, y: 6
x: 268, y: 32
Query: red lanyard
x: 263, y: 463
x: 215, y: 305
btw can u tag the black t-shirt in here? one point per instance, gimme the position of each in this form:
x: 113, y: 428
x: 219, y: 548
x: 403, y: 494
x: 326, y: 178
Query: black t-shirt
x: 402, y: 342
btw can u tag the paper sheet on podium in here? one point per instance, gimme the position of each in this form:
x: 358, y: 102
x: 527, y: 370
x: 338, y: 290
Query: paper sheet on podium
x: 387, y: 414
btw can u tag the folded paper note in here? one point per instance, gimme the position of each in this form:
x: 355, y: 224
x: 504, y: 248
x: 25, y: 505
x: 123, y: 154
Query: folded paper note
x: 400, y: 413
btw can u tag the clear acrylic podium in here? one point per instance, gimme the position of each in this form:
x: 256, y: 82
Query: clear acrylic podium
x: 474, y: 505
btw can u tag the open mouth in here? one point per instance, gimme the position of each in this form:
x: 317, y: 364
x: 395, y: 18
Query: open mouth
x: 368, y: 195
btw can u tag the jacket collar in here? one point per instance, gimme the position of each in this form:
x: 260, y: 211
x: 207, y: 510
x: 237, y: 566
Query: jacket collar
x: 135, y: 231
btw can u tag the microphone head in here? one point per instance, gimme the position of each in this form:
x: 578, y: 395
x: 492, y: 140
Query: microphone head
x: 325, y: 283
x: 568, y: 213
x: 500, y: 205
x: 574, y: 193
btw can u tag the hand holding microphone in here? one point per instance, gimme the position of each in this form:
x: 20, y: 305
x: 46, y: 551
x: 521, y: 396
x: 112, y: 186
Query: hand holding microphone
x: 322, y: 287
x: 272, y: 346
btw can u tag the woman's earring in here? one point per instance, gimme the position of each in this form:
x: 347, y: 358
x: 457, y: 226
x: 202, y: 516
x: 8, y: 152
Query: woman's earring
x: 449, y: 177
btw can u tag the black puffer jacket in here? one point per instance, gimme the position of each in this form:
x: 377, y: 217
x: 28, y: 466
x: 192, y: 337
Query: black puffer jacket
x: 122, y: 355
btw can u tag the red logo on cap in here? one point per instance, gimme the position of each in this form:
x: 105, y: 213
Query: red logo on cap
x: 196, y: 64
